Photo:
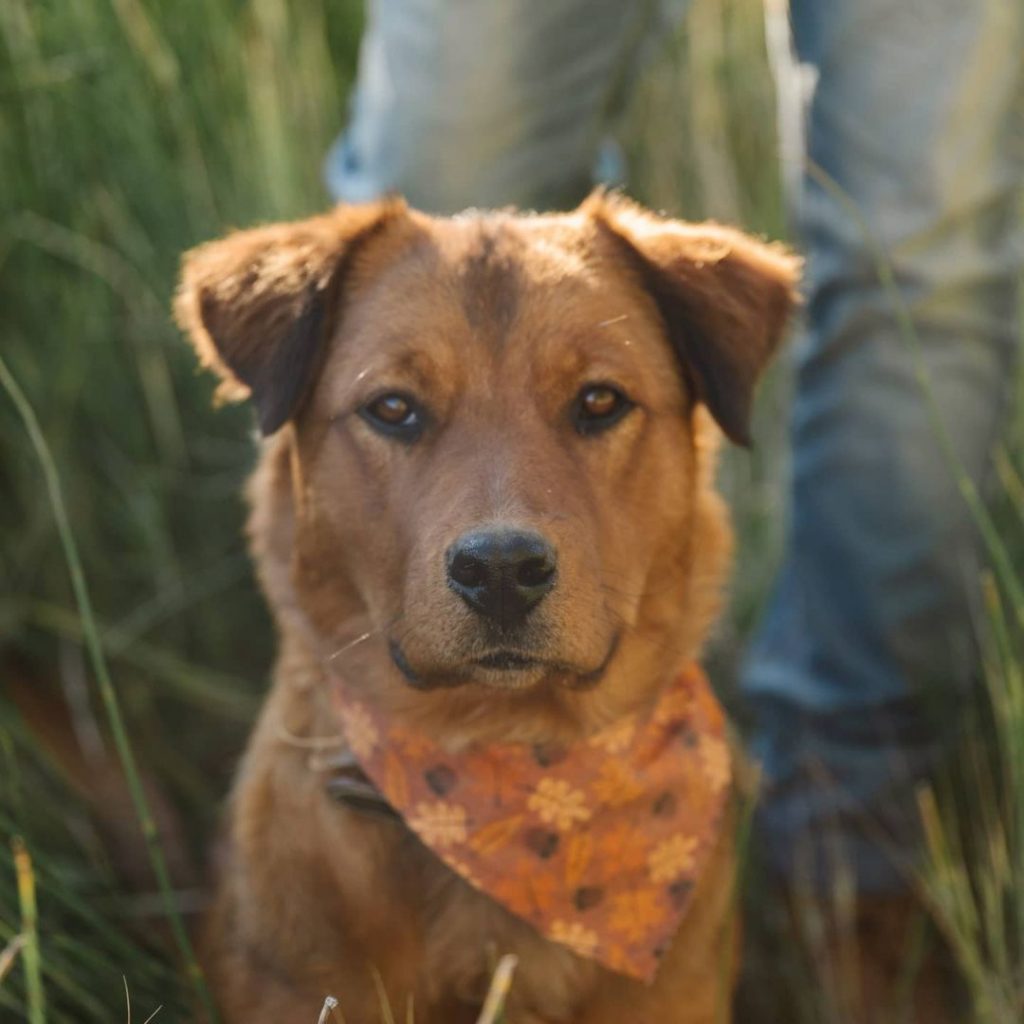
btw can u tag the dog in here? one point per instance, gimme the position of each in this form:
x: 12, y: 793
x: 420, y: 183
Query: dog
x: 484, y: 515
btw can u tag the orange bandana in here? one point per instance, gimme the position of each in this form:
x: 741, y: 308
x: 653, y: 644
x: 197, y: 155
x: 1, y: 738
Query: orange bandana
x: 598, y: 846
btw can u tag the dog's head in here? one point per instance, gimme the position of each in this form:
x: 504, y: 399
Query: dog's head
x: 491, y: 434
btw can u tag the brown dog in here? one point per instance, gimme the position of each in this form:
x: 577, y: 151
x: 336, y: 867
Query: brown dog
x: 542, y: 382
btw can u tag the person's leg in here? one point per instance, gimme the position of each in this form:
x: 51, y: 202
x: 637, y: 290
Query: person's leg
x: 916, y: 146
x: 486, y: 102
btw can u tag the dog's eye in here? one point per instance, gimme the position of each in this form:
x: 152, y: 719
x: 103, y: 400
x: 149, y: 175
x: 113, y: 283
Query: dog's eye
x: 394, y: 414
x: 598, y: 407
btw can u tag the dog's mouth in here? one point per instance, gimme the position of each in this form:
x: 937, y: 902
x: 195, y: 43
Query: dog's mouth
x: 508, y: 661
x: 502, y: 668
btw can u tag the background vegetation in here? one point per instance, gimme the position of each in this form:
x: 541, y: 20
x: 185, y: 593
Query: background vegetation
x: 130, y: 130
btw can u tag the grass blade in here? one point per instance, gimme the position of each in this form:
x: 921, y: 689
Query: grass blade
x: 501, y: 982
x: 30, y: 953
x: 108, y: 694
x: 10, y: 954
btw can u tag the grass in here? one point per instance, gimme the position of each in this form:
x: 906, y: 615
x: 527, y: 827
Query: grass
x: 25, y: 882
x: 130, y: 130
x: 974, y: 824
x: 115, y: 721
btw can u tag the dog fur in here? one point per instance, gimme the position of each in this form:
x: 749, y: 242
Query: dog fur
x: 494, y: 322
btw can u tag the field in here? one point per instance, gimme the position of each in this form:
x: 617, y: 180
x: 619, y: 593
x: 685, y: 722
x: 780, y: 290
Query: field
x: 129, y: 131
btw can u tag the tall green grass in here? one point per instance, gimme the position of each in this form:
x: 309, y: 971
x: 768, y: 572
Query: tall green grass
x: 973, y: 882
x: 130, y: 130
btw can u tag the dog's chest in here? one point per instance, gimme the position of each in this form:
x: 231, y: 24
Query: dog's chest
x: 465, y: 933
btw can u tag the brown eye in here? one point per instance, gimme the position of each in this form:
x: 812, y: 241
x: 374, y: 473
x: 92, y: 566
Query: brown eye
x: 598, y: 407
x: 600, y: 402
x: 395, y: 415
x: 391, y: 409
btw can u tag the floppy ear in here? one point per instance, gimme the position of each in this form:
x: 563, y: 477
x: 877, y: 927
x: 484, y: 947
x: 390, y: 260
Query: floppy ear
x: 258, y: 304
x: 724, y: 297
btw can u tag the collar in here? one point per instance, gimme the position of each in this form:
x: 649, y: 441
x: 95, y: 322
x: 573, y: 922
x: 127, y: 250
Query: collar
x: 598, y: 845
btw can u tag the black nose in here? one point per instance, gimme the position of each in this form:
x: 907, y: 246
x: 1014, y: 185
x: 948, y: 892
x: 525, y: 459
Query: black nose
x: 502, y: 574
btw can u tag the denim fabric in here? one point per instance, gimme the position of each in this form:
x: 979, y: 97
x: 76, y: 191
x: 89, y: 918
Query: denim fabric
x: 489, y: 102
x: 915, y: 149
x: 915, y: 132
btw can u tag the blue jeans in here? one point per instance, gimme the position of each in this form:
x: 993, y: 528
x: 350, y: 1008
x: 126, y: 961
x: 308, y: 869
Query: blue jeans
x: 915, y: 158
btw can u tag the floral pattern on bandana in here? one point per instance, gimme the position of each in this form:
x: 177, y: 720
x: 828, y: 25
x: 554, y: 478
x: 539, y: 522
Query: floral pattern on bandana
x: 599, y: 846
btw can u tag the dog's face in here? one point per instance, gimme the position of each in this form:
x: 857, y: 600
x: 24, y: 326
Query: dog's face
x: 496, y: 427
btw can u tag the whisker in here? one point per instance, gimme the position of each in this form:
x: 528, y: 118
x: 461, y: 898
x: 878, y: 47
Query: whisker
x: 611, y: 618
x: 362, y: 638
x: 314, y: 743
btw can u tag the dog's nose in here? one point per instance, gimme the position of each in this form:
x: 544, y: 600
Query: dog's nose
x: 501, y: 574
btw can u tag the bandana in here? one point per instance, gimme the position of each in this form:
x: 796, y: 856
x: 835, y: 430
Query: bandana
x: 598, y: 845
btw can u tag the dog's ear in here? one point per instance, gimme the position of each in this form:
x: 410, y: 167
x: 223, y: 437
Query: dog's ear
x: 724, y: 298
x: 257, y: 304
